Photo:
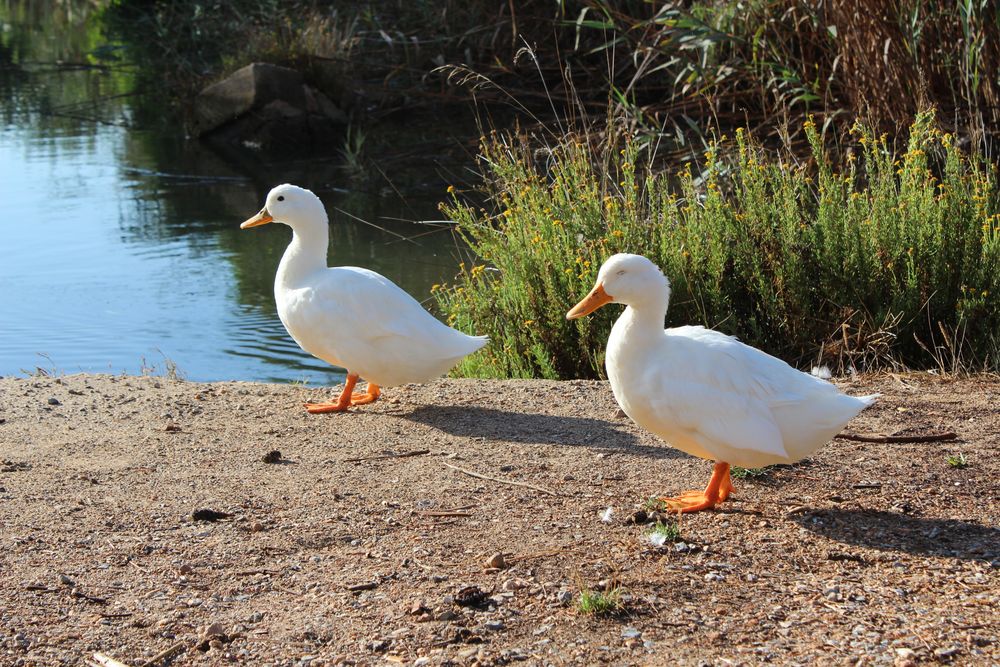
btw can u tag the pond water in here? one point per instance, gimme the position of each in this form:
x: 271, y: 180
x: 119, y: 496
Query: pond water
x: 120, y: 248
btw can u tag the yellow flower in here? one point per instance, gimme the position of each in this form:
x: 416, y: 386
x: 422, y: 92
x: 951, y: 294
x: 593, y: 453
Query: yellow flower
x: 617, y: 233
x: 451, y: 188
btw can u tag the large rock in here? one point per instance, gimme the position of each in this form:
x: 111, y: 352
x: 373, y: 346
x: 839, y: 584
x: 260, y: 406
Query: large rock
x: 268, y: 108
x: 250, y: 87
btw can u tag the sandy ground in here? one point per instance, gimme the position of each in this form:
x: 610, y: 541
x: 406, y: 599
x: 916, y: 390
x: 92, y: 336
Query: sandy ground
x: 864, y: 554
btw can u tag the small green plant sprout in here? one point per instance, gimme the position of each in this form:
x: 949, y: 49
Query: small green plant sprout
x: 654, y: 504
x: 748, y: 473
x: 662, y: 533
x: 957, y: 460
x: 598, y: 603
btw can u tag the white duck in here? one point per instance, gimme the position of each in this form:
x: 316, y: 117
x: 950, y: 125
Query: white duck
x: 704, y: 392
x: 349, y: 316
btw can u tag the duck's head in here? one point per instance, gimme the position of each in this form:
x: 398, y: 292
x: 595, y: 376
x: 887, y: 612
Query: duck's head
x: 629, y: 279
x: 291, y: 205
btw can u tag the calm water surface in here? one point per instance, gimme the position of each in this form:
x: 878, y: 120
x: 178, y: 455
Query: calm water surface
x: 119, y: 241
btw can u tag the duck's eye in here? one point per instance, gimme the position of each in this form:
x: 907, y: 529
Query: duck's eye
x: 621, y: 273
x: 281, y: 197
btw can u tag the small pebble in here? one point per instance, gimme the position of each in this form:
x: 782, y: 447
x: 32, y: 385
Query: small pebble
x: 946, y: 651
x: 496, y: 561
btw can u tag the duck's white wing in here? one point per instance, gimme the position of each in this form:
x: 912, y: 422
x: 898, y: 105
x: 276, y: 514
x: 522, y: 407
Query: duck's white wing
x: 381, y: 313
x: 373, y: 303
x: 726, y: 390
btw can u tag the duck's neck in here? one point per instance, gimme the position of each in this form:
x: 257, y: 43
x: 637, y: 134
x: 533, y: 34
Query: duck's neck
x: 305, y: 255
x: 641, y: 324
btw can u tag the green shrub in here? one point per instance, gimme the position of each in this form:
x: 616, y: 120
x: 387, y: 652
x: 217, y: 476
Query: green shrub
x: 893, y: 261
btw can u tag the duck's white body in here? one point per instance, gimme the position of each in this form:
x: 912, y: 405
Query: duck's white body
x: 709, y: 395
x: 349, y: 316
x: 704, y: 392
x: 357, y: 319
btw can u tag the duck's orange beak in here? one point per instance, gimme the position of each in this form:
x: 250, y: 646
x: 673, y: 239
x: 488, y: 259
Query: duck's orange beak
x: 262, y: 218
x: 597, y: 298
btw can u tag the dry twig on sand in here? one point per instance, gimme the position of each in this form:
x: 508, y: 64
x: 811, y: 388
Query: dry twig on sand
x: 502, y: 481
x: 930, y: 437
x: 101, y: 660
x: 403, y: 455
x: 164, y: 654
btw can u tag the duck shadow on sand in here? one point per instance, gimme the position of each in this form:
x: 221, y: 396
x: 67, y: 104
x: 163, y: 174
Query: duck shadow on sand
x: 536, y: 429
x: 919, y: 536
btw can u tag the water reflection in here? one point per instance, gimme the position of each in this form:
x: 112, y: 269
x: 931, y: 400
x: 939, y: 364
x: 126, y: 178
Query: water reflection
x: 120, y: 241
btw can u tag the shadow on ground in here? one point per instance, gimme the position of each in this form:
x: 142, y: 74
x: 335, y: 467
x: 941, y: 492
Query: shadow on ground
x: 888, y: 531
x: 535, y: 429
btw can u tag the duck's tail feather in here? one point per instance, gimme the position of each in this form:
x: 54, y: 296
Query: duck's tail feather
x: 478, y: 343
x: 868, y: 400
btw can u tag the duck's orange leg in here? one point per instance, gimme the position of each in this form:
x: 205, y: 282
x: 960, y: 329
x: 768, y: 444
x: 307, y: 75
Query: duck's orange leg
x: 718, y: 489
x: 341, y: 404
x: 726, y: 487
x: 370, y: 395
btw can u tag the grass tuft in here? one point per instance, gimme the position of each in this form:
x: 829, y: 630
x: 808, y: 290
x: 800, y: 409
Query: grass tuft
x: 749, y: 473
x: 662, y: 533
x: 598, y: 603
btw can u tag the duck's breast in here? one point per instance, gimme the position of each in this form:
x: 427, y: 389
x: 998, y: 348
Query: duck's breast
x: 314, y: 323
x: 639, y: 372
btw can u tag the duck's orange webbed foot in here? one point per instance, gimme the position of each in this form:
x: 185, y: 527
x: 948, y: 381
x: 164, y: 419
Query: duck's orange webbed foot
x: 344, y: 401
x: 370, y: 395
x: 718, y: 489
